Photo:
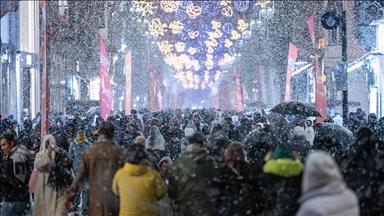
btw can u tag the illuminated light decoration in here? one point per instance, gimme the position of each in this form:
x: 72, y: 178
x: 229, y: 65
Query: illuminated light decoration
x: 190, y: 85
x: 246, y: 34
x: 211, y: 43
x: 219, y: 33
x: 169, y: 6
x: 239, y: 43
x: 196, y: 86
x: 193, y: 11
x: 197, y: 67
x: 242, y: 25
x: 210, y: 84
x: 225, y: 3
x: 215, y: 24
x: 210, y: 50
x: 203, y: 85
x: 227, y: 28
x: 193, y: 34
x: 176, y: 26
x: 185, y: 4
x: 235, y: 35
x: 206, y: 77
x: 185, y: 85
x: 188, y: 66
x: 192, y: 50
x: 227, y: 11
x: 228, y: 43
x: 179, y: 46
x: 166, y: 47
x: 241, y: 5
x: 144, y: 7
x: 196, y: 78
x: 211, y: 8
x: 157, y: 28
x: 262, y: 3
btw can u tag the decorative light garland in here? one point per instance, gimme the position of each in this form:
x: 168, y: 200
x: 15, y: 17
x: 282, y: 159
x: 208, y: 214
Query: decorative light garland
x: 193, y: 11
x: 169, y: 6
x: 157, y: 28
x: 176, y: 26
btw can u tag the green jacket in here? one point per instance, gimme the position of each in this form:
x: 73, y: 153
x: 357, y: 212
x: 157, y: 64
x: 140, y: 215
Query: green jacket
x: 190, y: 183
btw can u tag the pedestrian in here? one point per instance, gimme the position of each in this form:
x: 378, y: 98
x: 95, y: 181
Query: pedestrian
x: 76, y: 149
x: 299, y: 144
x: 98, y: 165
x: 190, y: 183
x: 323, y: 190
x: 234, y: 186
x: 53, y: 179
x: 282, y: 181
x: 138, y: 187
x: 309, y: 131
x: 14, y: 176
x: 363, y: 171
x: 166, y: 204
x: 128, y: 136
x: 173, y: 137
x: 156, y: 143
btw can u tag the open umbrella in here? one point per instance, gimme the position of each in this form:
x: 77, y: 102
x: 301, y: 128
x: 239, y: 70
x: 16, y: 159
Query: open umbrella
x: 334, y: 131
x: 296, y: 108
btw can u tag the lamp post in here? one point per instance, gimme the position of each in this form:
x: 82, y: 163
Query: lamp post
x: 344, y: 56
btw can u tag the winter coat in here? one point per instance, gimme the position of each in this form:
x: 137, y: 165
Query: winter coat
x: 139, y: 190
x: 49, y: 199
x: 166, y: 204
x: 27, y: 138
x: 216, y: 145
x: 152, y: 122
x: 300, y: 145
x: 257, y: 144
x: 173, y: 139
x: 309, y: 134
x: 282, y: 182
x: 244, y: 130
x: 99, y: 164
x: 60, y: 137
x: 75, y: 151
x: 232, y: 133
x: 363, y: 169
x: 15, y: 173
x: 235, y: 193
x: 379, y: 131
x: 190, y: 182
x: 324, y: 191
x: 127, y: 138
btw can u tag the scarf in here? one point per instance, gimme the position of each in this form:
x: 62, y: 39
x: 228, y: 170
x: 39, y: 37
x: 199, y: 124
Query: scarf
x: 80, y: 139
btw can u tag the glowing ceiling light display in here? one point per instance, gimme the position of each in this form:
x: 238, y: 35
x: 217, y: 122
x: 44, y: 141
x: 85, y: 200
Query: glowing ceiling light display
x: 197, y: 38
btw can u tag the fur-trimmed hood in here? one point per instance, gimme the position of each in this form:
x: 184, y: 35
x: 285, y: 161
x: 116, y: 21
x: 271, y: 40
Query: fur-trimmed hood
x: 283, y: 167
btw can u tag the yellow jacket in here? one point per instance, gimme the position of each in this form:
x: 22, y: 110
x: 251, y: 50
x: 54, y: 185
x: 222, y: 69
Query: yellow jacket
x: 139, y: 188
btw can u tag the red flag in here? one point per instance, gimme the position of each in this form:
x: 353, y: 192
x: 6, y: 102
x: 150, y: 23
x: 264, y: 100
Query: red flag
x: 321, y: 99
x: 292, y: 55
x: 128, y: 82
x: 106, y: 93
x: 152, y: 86
x: 239, y: 99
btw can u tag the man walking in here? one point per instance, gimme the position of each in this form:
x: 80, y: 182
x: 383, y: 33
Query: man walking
x: 15, y: 176
x: 99, y: 164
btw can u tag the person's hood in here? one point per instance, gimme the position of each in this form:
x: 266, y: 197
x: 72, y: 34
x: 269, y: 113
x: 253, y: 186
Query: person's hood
x: 325, y: 190
x: 23, y: 150
x: 283, y: 167
x: 167, y: 159
x: 195, y: 152
x: 135, y: 169
x: 320, y: 169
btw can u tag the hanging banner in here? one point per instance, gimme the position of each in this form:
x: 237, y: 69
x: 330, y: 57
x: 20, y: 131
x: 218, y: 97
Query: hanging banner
x: 292, y: 55
x: 151, y: 88
x: 320, y: 97
x: 128, y: 82
x: 159, y: 90
x: 106, y: 93
x: 239, y: 99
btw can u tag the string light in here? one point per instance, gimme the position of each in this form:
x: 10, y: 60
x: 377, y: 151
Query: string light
x: 227, y: 11
x: 179, y: 46
x: 242, y: 25
x: 157, y: 28
x: 193, y: 11
x: 169, y: 6
x: 228, y: 43
x: 192, y: 50
x: 145, y: 7
x: 235, y: 35
x: 165, y: 47
x: 263, y: 3
x: 193, y: 34
x: 176, y: 26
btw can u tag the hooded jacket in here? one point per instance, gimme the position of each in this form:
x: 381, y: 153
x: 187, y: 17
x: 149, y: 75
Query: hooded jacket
x: 309, y: 132
x: 190, y: 182
x: 323, y: 190
x: 139, y: 190
x: 15, y: 177
x: 75, y: 151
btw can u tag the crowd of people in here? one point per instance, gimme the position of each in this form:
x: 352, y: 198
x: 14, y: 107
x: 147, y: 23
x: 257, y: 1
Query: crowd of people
x: 191, y: 162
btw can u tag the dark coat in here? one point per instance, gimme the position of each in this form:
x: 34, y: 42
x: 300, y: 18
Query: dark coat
x: 232, y: 133
x: 363, y: 169
x: 127, y: 138
x: 99, y: 164
x: 235, y: 194
x: 300, y: 145
x: 173, y: 139
x: 217, y: 144
x: 244, y: 130
x: 257, y: 144
x: 190, y: 183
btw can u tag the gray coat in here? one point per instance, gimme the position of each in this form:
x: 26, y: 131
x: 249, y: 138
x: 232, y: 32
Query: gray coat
x: 324, y: 191
x: 75, y: 151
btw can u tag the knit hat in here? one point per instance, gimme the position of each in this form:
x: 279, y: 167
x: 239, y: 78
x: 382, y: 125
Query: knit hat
x: 298, y: 131
x: 282, y: 152
x: 188, y: 132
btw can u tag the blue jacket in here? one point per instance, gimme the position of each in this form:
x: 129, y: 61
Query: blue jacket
x: 75, y: 151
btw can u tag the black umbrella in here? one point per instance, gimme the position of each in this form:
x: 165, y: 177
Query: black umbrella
x: 296, y: 108
x: 334, y: 131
